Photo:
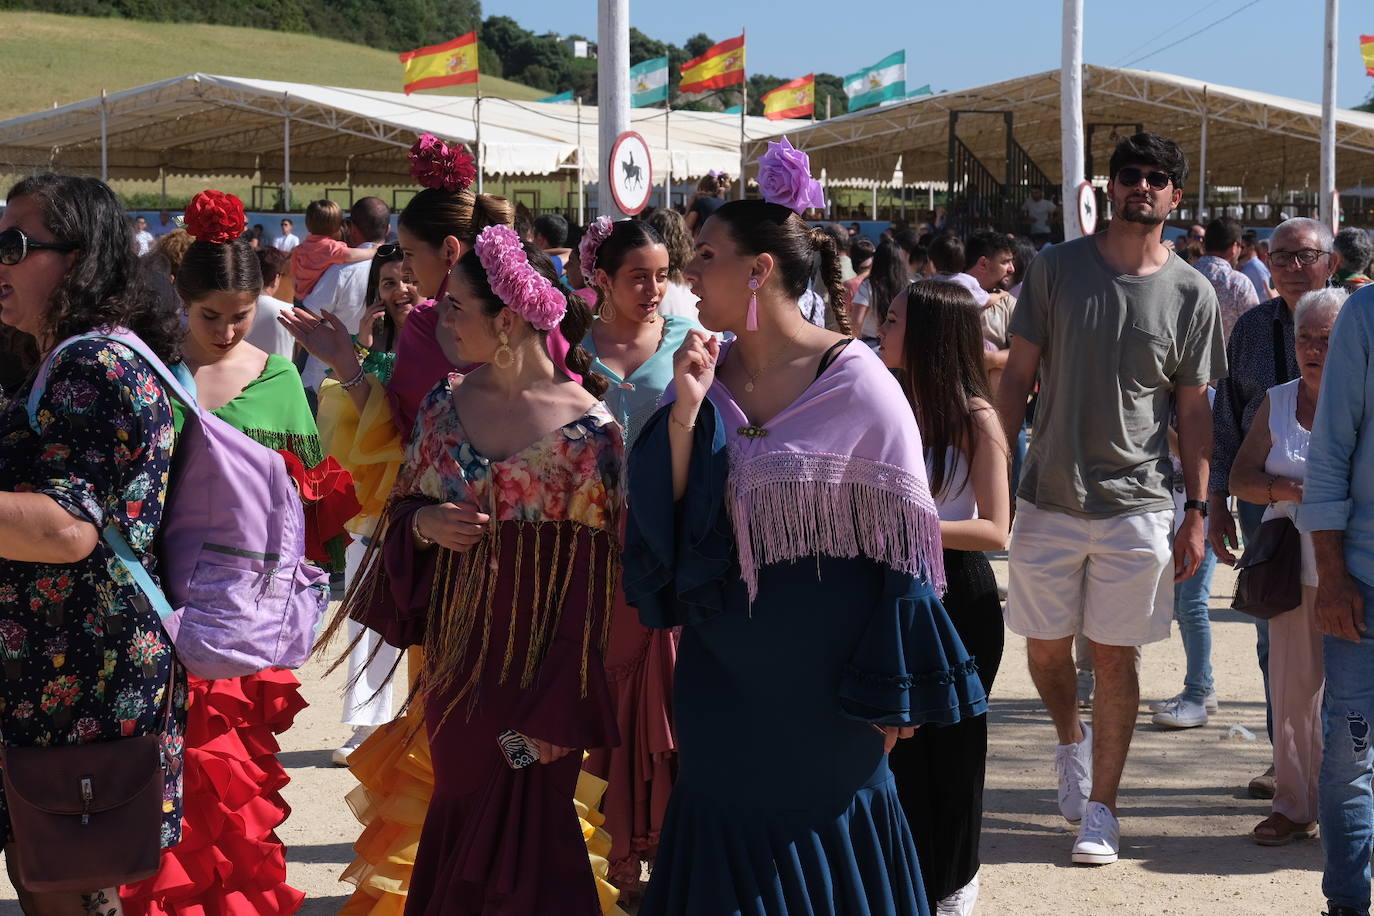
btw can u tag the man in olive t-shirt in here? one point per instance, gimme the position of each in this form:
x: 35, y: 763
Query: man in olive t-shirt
x: 1124, y: 334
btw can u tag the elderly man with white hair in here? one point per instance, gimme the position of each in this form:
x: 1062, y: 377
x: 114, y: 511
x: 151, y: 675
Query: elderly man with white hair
x: 1260, y: 354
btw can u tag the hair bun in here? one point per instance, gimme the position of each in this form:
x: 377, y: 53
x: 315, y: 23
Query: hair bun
x: 215, y: 217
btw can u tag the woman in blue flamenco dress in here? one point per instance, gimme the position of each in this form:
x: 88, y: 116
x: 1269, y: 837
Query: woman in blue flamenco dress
x: 796, y: 543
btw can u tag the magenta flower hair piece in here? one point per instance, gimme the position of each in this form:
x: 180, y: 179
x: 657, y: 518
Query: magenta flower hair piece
x: 785, y: 178
x: 523, y: 289
x: 600, y: 230
x: 440, y: 167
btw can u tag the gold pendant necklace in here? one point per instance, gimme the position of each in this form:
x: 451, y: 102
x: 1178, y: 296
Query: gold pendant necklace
x: 777, y: 357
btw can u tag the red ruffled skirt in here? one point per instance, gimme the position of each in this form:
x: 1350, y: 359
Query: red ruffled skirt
x: 230, y: 861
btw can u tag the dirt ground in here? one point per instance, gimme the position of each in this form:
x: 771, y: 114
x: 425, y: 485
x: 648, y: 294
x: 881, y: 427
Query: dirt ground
x: 1185, y: 812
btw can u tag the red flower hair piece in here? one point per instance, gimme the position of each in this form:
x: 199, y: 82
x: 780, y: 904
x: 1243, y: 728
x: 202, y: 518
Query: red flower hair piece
x: 216, y: 217
x: 440, y: 167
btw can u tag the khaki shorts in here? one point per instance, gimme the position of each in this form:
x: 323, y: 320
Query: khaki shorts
x: 1112, y: 579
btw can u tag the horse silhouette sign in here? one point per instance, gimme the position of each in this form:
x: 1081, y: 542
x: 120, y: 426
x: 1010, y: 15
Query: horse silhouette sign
x: 631, y: 173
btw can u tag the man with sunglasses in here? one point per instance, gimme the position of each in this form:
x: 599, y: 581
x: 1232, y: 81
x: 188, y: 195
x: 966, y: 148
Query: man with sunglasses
x: 1261, y: 354
x: 1123, y: 334
x: 342, y: 289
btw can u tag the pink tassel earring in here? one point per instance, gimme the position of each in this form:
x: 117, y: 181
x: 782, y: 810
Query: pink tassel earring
x: 751, y: 321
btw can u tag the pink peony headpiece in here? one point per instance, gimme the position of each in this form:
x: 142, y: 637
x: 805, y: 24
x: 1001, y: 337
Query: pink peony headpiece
x: 523, y: 289
x: 600, y: 230
x: 785, y: 178
x: 440, y: 167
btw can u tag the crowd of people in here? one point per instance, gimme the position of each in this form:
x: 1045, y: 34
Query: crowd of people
x: 682, y: 524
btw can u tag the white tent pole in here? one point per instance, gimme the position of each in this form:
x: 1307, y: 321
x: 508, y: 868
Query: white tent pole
x: 612, y: 91
x: 581, y: 178
x: 286, y: 164
x: 667, y: 145
x: 1202, y: 163
x: 162, y: 176
x: 477, y: 140
x: 1328, y: 169
x: 1071, y: 111
x: 875, y: 200
x: 104, y: 138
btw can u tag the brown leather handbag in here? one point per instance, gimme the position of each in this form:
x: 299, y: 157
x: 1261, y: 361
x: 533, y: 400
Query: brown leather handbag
x: 88, y: 816
x: 1270, y: 571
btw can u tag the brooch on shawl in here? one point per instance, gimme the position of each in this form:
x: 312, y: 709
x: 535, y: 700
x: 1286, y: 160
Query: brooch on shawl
x: 752, y: 432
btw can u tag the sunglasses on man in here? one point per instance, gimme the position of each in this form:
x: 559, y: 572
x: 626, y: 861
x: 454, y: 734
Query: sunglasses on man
x: 15, y: 246
x: 1130, y: 177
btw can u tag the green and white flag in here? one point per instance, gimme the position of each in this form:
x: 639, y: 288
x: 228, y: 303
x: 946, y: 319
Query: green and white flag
x: 883, y: 82
x: 649, y: 82
x: 563, y: 98
x: 924, y: 90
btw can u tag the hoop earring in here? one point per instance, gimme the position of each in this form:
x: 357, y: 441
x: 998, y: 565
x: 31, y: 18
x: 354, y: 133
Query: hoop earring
x: 751, y: 320
x: 607, y: 310
x: 505, y: 356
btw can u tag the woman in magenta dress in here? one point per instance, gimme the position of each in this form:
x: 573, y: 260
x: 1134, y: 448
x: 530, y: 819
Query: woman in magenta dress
x: 499, y: 556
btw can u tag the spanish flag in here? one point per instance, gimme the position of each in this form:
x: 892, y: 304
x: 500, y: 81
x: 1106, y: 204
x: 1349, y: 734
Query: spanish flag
x: 796, y: 99
x: 1367, y: 49
x: 721, y: 66
x: 452, y: 63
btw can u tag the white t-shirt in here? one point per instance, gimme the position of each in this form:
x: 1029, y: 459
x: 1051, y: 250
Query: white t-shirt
x: 267, y: 334
x: 144, y: 240
x: 863, y: 296
x: 285, y: 242
x: 342, y: 290
x: 1039, y: 212
x: 679, y: 300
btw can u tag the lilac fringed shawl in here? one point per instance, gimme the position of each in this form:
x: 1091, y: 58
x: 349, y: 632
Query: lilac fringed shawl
x: 839, y: 473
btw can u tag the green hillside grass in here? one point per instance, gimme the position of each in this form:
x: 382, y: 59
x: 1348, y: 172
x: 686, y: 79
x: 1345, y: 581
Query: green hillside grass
x: 46, y: 58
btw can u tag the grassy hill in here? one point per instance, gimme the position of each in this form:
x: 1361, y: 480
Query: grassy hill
x: 50, y: 59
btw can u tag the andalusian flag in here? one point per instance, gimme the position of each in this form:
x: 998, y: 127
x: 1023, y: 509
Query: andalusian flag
x: 884, y: 81
x: 649, y: 82
x: 563, y: 98
x: 796, y: 99
x: 721, y: 66
x: 452, y: 63
x: 1367, y: 49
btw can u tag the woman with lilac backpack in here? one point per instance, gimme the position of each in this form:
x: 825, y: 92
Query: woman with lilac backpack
x: 85, y: 660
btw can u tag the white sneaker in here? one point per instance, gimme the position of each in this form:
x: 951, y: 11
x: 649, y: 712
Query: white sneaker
x: 1086, y: 682
x: 360, y: 734
x: 1210, y: 703
x: 1074, y: 764
x: 959, y: 903
x: 1181, y: 713
x: 1099, y: 839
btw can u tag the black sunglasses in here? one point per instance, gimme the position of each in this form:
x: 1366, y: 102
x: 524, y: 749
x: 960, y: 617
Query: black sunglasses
x: 1130, y: 177
x: 15, y: 246
x: 389, y: 252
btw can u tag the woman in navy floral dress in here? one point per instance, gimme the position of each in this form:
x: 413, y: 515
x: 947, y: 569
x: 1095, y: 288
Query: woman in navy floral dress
x: 84, y: 658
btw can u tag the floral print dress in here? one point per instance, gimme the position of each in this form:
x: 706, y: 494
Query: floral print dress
x: 83, y: 654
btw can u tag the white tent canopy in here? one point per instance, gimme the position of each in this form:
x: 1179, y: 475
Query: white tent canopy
x: 204, y: 124
x: 1255, y: 141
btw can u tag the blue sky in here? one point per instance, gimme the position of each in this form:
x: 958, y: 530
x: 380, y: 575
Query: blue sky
x: 1267, y: 45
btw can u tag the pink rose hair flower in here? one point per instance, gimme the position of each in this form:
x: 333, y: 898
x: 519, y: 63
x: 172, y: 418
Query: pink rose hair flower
x: 440, y: 167
x: 785, y: 178
x: 523, y: 289
x: 600, y: 230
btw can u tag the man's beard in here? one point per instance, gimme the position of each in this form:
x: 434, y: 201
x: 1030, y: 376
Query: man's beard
x: 1147, y: 218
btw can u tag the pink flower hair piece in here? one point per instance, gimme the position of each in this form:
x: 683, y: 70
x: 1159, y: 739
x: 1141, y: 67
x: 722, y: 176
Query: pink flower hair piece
x: 785, y: 178
x: 600, y: 230
x: 523, y: 289
x: 440, y: 167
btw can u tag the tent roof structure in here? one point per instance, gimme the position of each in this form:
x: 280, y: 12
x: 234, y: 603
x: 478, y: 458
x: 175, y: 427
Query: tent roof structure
x: 1255, y: 141
x: 202, y: 124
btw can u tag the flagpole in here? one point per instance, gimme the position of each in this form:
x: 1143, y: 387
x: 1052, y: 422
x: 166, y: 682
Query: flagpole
x: 668, y: 149
x: 477, y: 141
x: 581, y: 178
x: 743, y: 109
x: 1328, y: 209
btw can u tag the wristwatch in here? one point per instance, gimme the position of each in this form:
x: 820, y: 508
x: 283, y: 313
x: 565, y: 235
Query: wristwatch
x: 1198, y: 504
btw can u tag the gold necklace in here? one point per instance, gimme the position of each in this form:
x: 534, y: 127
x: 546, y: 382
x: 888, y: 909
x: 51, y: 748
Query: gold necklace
x: 777, y: 357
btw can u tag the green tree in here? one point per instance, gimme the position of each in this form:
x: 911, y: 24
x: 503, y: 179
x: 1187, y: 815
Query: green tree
x: 643, y: 48
x: 502, y: 34
x: 830, y: 86
x: 698, y: 45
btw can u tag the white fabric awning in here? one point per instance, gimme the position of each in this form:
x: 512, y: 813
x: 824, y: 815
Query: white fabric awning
x: 203, y: 124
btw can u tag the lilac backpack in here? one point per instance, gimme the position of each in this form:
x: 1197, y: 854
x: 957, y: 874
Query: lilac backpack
x: 232, y: 543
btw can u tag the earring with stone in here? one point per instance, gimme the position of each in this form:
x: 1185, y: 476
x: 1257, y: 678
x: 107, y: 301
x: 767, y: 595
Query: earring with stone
x: 751, y: 321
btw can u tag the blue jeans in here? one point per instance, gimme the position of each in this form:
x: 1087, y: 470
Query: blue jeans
x: 1344, y: 803
x: 1018, y: 458
x: 1195, y: 626
x: 1251, y: 514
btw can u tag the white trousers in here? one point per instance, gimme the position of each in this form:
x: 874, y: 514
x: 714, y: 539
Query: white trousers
x: 367, y: 695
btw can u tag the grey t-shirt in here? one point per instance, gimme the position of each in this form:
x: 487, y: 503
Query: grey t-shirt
x: 1113, y: 347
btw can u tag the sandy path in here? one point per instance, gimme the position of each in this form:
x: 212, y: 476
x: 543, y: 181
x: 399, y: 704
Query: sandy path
x: 1185, y: 813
